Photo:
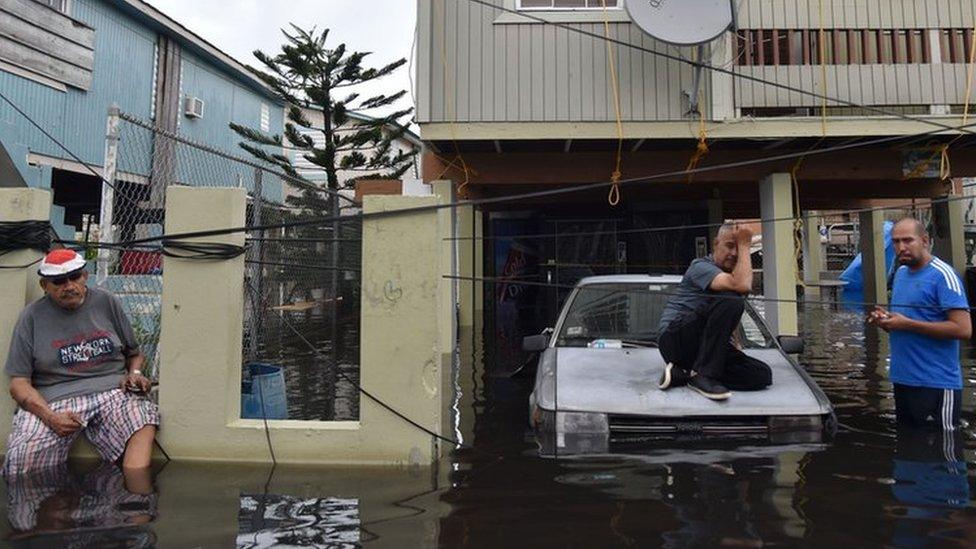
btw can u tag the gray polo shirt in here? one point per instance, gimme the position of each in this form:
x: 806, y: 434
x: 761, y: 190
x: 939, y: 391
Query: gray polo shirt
x: 692, y: 293
x: 72, y: 353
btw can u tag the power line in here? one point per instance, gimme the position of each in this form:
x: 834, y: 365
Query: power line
x: 544, y: 193
x: 698, y: 226
x: 64, y: 148
x: 760, y: 299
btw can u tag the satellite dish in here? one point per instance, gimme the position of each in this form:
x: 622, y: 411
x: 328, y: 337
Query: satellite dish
x: 682, y: 22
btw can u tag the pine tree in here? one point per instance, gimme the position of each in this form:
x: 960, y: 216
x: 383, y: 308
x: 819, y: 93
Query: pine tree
x: 306, y: 73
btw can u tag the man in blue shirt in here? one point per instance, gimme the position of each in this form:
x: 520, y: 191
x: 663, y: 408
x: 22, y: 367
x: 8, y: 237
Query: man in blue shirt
x: 928, y: 316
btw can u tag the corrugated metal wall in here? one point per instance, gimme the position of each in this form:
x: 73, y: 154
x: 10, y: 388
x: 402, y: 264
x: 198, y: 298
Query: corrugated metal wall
x: 855, y: 14
x: 474, y: 69
x: 479, y: 71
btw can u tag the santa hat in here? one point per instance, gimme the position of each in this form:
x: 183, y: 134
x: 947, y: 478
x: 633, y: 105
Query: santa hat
x: 60, y: 263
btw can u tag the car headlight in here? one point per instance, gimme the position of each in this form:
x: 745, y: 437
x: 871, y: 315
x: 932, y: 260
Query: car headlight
x: 581, y: 423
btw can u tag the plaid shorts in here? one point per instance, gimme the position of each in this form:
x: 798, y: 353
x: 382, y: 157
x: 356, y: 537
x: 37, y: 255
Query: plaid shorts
x: 111, y: 416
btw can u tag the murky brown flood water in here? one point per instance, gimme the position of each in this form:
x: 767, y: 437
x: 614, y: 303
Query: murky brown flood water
x: 869, y: 486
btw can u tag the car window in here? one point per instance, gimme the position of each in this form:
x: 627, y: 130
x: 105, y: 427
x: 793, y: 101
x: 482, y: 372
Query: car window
x: 751, y: 333
x: 632, y: 312
x: 613, y: 311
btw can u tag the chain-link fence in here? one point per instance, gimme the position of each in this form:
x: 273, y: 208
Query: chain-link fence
x: 301, y: 281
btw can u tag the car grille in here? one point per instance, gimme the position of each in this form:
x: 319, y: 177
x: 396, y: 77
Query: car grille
x: 627, y: 427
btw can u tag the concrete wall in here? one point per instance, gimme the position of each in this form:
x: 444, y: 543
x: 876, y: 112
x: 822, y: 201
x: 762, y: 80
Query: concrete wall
x: 405, y: 347
x: 18, y: 287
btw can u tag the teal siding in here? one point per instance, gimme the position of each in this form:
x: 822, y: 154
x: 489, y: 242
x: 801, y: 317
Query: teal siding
x: 225, y: 101
x: 123, y: 74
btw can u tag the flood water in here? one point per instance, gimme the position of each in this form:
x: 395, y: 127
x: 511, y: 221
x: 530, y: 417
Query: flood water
x: 868, y: 487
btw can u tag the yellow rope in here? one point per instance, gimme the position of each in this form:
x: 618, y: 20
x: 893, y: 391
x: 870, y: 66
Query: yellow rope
x: 945, y: 168
x: 702, y: 149
x: 942, y: 152
x: 797, y: 221
x: 614, y: 197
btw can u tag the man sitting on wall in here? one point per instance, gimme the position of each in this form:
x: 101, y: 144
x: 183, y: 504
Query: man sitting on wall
x: 74, y: 366
x: 701, y: 315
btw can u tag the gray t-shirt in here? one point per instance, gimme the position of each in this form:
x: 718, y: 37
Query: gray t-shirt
x: 692, y: 293
x: 72, y: 353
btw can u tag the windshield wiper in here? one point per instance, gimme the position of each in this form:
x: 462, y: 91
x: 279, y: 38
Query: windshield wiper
x: 640, y: 342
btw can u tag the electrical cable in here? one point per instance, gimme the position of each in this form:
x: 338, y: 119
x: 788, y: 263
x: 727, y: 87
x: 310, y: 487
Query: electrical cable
x: 305, y: 185
x: 25, y: 235
x: 671, y: 228
x: 502, y: 280
x: 535, y: 194
x: 64, y: 148
x: 702, y: 65
x: 299, y: 266
x: 215, y: 251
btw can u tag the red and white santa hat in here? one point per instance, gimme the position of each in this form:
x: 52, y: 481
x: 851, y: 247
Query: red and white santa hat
x: 60, y: 263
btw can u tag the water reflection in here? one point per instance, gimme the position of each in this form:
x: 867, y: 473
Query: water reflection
x: 272, y: 520
x: 97, y: 508
x: 871, y: 486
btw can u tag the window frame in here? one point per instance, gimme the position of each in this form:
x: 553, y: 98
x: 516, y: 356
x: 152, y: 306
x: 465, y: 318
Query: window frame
x: 65, y: 6
x: 519, y: 7
x: 539, y: 16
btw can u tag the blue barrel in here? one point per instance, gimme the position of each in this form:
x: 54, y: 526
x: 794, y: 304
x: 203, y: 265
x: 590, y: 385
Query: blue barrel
x: 264, y: 382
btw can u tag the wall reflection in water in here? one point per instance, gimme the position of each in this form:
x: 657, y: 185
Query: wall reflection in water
x: 272, y: 520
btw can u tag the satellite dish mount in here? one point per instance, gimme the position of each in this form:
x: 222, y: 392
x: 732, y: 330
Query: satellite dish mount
x: 684, y: 23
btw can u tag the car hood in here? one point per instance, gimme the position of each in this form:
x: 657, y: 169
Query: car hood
x: 624, y: 381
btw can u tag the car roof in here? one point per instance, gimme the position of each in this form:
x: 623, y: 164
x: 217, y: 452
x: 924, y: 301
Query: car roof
x: 630, y: 279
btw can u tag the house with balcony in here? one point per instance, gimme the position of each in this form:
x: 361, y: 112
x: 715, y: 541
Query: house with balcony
x: 525, y: 91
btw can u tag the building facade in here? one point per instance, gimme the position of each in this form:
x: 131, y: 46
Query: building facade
x: 65, y: 62
x: 526, y: 93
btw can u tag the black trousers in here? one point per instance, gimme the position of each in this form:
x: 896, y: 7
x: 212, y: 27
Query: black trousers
x: 927, y: 407
x: 699, y: 342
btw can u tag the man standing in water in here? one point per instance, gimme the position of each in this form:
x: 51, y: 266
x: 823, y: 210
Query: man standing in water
x: 699, y: 319
x: 929, y: 314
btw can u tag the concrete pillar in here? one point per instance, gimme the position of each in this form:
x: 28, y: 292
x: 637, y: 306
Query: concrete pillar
x: 470, y: 248
x: 873, y: 268
x: 201, y: 326
x: 18, y: 287
x: 813, y: 253
x: 948, y: 233
x: 447, y: 218
x: 449, y: 222
x: 779, y: 253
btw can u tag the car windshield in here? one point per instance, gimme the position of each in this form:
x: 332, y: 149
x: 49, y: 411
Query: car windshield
x: 630, y: 313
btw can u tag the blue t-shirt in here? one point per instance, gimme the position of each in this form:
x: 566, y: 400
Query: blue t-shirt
x: 927, y: 295
x: 692, y: 294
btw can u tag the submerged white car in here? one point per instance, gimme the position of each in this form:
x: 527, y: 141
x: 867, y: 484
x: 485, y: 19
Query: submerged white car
x: 596, y: 386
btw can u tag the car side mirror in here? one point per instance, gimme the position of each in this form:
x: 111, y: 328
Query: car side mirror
x: 792, y: 345
x: 535, y: 343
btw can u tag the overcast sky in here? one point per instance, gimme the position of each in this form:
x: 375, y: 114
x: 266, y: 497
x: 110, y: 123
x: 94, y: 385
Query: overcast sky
x: 238, y: 27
